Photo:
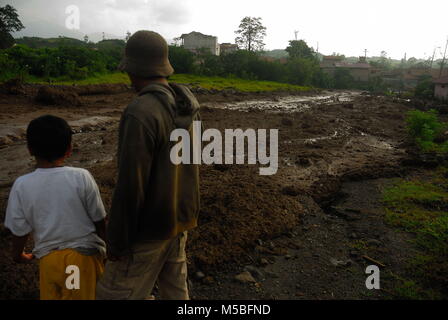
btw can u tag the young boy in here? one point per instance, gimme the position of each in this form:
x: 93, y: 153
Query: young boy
x: 61, y: 207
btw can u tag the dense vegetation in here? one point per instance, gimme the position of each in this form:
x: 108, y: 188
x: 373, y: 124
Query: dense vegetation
x: 425, y: 129
x: 71, y: 59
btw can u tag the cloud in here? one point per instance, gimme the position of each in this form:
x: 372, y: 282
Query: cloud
x: 110, y: 16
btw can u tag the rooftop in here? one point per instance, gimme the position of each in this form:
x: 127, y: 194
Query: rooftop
x: 442, y: 80
x: 196, y: 34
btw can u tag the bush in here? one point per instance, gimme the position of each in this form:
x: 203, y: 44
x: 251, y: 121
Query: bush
x: 424, y: 127
x: 425, y: 88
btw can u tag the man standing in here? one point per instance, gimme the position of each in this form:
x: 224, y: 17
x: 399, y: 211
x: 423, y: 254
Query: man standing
x: 155, y: 202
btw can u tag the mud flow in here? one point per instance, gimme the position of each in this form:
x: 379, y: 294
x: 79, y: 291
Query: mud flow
x: 324, y: 140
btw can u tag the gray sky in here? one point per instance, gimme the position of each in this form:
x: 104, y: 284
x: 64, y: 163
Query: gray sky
x: 344, y: 26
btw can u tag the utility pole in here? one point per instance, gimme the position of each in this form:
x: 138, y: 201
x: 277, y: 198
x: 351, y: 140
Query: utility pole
x: 432, y: 58
x: 443, y: 60
x: 365, y: 54
x: 296, y: 33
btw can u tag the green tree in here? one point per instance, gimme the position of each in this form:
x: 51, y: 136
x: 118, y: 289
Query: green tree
x: 424, y: 88
x: 251, y: 33
x: 343, y: 79
x: 9, y: 22
x: 182, y: 60
x: 299, y: 49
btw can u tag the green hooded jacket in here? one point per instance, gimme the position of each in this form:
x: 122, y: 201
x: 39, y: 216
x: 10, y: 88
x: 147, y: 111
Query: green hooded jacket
x: 153, y: 198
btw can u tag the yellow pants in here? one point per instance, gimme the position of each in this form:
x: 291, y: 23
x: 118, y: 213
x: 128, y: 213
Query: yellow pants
x: 57, y: 282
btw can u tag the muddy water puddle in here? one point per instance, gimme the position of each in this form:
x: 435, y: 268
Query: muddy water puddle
x: 293, y: 103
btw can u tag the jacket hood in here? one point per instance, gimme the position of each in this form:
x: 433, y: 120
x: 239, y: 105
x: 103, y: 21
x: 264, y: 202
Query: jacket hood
x: 180, y: 101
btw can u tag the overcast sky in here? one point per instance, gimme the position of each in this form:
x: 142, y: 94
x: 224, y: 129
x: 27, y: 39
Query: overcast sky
x: 343, y: 26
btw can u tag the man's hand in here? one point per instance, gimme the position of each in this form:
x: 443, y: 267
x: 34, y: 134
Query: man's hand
x: 24, y: 258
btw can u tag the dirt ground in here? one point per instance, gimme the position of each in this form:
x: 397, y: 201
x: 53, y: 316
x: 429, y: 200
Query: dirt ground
x: 335, y: 148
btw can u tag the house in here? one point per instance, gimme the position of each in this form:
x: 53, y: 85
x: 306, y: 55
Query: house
x: 360, y: 71
x: 196, y: 41
x: 441, y: 88
x: 228, y: 48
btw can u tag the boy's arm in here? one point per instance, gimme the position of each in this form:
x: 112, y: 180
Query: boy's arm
x: 17, y: 223
x: 17, y: 253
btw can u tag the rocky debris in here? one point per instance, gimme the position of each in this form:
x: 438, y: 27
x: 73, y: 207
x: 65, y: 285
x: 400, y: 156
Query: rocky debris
x: 10, y: 135
x: 354, y: 253
x: 287, y: 122
x: 245, y: 277
x: 261, y: 249
x: 340, y: 263
x: 264, y: 262
x: 56, y: 96
x: 303, y: 162
x: 346, y: 213
x: 254, y: 272
x: 199, y: 275
x: 95, y: 89
x: 373, y: 242
x: 208, y: 280
x: 291, y: 191
x: 92, y: 124
x: 13, y: 86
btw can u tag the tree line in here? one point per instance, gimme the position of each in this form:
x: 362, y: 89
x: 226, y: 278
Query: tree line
x: 75, y: 62
x: 71, y: 59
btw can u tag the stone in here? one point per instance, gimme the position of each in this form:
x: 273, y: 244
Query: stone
x: 199, y: 275
x: 264, y: 262
x: 208, y: 280
x: 245, y: 277
x: 340, y: 263
x: 255, y: 272
x: 373, y: 242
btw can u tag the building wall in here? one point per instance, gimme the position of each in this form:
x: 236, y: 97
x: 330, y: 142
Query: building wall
x: 228, y: 48
x: 195, y: 42
x: 360, y: 74
x: 441, y: 91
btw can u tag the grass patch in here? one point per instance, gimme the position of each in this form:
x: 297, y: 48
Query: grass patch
x: 210, y: 83
x: 420, y: 207
x: 410, y: 290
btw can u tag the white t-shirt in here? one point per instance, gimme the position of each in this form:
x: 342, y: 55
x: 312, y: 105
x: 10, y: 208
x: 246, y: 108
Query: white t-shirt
x: 59, y: 207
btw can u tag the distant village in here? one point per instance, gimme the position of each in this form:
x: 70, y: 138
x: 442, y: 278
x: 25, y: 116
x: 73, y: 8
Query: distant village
x: 361, y: 71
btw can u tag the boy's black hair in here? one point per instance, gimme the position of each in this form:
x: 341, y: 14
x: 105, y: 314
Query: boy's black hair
x: 49, y: 137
